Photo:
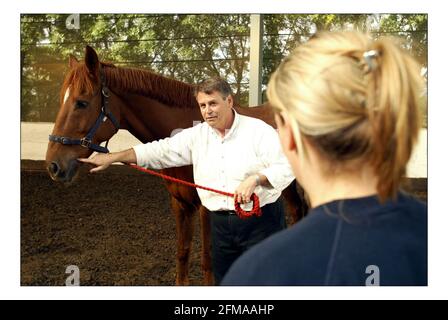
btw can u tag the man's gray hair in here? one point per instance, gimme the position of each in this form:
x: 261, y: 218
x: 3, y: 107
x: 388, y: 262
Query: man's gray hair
x: 213, y: 84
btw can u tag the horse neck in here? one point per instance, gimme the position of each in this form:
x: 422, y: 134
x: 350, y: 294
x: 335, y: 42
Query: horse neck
x: 148, y: 119
x: 263, y: 112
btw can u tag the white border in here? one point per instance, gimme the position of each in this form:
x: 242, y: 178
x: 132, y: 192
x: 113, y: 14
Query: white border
x: 437, y: 173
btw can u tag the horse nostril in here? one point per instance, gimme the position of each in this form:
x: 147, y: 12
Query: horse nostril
x: 53, y: 168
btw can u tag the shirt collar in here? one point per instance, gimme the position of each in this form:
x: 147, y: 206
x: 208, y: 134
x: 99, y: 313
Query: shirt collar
x: 235, y: 124
x: 233, y: 128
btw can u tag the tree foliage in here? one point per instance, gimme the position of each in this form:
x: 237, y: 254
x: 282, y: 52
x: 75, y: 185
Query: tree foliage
x: 186, y: 47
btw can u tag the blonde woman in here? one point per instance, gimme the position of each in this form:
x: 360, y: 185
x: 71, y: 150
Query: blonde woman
x: 348, y: 119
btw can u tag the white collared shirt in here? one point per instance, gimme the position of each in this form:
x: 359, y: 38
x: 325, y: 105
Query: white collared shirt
x: 250, y: 146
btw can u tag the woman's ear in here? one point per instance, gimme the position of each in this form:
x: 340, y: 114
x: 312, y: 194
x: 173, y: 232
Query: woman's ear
x: 285, y: 131
x: 279, y: 120
x: 292, y: 145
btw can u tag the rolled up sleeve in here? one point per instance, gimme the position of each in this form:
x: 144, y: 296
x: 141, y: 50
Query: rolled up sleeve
x: 278, y: 170
x: 166, y: 153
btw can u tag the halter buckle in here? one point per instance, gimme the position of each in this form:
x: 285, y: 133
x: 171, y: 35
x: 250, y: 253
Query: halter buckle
x: 105, y: 92
x: 85, y: 143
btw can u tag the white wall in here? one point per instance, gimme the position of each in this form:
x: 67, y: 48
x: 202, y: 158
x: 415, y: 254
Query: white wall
x: 34, y: 141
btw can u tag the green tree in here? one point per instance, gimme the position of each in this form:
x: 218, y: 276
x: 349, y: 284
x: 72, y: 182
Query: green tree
x: 186, y: 47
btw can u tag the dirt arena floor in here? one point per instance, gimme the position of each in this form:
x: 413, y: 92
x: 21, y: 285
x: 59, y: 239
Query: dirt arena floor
x: 115, y: 226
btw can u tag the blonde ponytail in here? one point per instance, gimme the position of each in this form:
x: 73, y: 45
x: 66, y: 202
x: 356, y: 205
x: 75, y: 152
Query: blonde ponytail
x: 394, y: 113
x: 352, y: 98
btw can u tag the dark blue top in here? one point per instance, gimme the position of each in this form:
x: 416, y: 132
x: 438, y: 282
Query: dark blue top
x: 344, y: 242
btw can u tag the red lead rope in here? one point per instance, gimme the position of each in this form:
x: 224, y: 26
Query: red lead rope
x: 240, y: 212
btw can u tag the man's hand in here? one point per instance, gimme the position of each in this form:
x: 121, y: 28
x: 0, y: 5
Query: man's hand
x: 245, y: 189
x: 101, y: 161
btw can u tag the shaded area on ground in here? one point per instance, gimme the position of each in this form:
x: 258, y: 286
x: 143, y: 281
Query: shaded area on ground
x: 116, y: 226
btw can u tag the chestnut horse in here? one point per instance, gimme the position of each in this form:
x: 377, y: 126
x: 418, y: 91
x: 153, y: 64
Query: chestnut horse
x: 97, y: 98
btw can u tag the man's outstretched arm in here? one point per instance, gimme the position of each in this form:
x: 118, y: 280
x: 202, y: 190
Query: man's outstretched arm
x: 103, y: 160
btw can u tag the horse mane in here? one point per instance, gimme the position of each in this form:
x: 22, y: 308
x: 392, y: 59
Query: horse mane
x: 171, y: 92
x: 144, y: 82
x: 80, y: 82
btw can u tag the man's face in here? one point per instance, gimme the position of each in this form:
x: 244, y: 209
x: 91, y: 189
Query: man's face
x: 215, y: 109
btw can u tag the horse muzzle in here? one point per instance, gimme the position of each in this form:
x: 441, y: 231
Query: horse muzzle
x: 60, y: 173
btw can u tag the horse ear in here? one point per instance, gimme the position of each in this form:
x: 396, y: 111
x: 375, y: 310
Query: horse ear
x: 72, y: 61
x: 91, y: 60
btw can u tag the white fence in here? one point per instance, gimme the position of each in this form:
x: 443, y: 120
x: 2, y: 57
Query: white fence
x: 34, y: 141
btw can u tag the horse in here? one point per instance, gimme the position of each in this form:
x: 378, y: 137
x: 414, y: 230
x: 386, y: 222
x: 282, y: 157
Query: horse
x: 98, y: 98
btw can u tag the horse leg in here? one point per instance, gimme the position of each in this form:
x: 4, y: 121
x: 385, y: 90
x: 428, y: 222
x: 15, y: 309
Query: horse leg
x: 296, y: 202
x: 184, y: 229
x: 206, y: 258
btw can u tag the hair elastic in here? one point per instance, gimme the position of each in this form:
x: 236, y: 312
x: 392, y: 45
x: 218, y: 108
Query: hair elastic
x: 368, y: 57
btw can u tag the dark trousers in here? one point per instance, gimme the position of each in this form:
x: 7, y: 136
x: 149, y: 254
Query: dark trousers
x: 231, y: 235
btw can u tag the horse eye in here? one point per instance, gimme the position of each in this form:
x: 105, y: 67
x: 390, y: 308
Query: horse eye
x: 80, y: 104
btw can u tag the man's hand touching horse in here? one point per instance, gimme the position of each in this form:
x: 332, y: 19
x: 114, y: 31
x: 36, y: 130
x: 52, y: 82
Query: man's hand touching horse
x: 102, y: 161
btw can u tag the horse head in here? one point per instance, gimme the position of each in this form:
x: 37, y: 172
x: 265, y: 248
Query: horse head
x: 88, y: 116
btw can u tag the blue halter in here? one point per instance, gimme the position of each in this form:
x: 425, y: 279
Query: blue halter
x: 86, y: 142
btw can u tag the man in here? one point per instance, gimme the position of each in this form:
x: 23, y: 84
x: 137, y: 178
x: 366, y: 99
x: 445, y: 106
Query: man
x: 229, y: 152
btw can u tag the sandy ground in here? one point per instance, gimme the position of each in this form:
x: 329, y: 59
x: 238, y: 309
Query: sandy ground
x: 117, y: 226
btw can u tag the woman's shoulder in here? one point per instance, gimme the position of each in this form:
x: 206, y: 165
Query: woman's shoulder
x: 412, y: 202
x: 284, y: 251
x: 280, y: 258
